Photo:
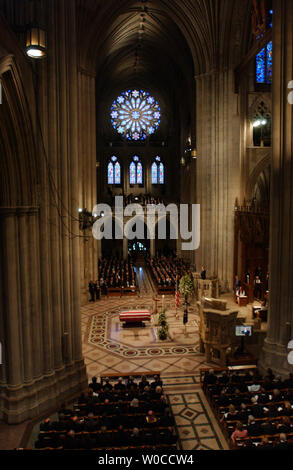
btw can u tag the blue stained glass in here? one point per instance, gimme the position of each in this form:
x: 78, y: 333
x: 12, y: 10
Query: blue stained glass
x: 264, y: 64
x: 117, y: 173
x: 132, y: 173
x: 154, y: 173
x: 110, y: 173
x: 135, y: 114
x: 161, y: 174
x: 139, y: 173
x: 269, y: 62
x: 261, y: 66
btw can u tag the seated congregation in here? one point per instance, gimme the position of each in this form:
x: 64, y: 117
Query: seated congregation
x: 116, y: 273
x: 166, y: 271
x: 117, y: 414
x: 255, y: 412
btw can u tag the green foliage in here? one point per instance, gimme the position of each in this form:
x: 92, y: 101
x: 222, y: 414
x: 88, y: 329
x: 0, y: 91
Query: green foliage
x: 186, y: 286
x: 164, y: 328
x: 163, y: 332
x: 162, y: 319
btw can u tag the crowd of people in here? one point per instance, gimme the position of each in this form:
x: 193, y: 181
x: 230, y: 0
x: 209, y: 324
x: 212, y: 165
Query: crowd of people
x: 143, y: 199
x: 116, y: 272
x: 256, y: 412
x: 166, y: 271
x: 120, y: 414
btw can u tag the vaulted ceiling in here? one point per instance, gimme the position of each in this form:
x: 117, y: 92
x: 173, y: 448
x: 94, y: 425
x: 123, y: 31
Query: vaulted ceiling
x: 159, y: 45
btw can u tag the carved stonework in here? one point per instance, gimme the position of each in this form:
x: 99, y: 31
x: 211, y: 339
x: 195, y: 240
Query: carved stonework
x: 206, y: 288
x: 217, y: 327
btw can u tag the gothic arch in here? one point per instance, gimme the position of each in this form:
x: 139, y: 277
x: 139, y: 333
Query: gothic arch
x: 18, y: 163
x: 261, y: 166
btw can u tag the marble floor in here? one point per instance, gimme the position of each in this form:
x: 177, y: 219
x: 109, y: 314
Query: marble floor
x: 110, y: 348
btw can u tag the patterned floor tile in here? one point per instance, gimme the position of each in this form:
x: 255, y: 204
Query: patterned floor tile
x: 209, y: 444
x: 192, y: 398
x: 189, y: 444
x: 110, y: 361
x: 127, y: 367
x: 204, y: 431
x: 176, y: 399
x: 186, y: 432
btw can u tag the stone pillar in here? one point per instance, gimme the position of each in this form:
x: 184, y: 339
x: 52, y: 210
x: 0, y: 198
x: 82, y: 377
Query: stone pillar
x: 280, y: 319
x: 87, y: 191
x: 218, y: 175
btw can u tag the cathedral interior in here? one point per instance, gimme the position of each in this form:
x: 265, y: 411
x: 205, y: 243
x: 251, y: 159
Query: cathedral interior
x: 152, y: 102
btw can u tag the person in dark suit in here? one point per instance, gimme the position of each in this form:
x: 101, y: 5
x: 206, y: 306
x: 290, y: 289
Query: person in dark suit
x: 203, y: 273
x: 131, y: 384
x: 237, y: 284
x: 255, y: 409
x: 92, y: 291
x: 269, y: 428
x: 94, y: 385
x: 143, y: 383
x: 253, y: 428
x: 209, y: 379
x: 97, y: 290
x: 107, y: 385
x: 120, y: 385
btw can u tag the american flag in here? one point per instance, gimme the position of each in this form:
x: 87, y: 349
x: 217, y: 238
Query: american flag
x: 177, y: 296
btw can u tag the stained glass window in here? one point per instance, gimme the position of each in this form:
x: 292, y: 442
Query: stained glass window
x: 117, y: 173
x: 158, y: 172
x: 132, y: 173
x: 139, y: 173
x: 114, y: 171
x: 135, y: 171
x: 154, y: 173
x: 161, y: 174
x: 135, y: 114
x: 110, y: 173
x: 264, y: 64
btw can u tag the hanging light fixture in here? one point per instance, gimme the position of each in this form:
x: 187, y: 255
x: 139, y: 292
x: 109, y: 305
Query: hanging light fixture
x: 36, y: 37
x: 36, y: 42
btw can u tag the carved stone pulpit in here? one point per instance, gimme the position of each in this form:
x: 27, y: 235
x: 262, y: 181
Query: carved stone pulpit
x: 217, y: 329
x: 206, y: 288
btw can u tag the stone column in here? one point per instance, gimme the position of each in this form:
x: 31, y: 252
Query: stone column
x: 218, y: 175
x: 87, y: 175
x: 280, y: 319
